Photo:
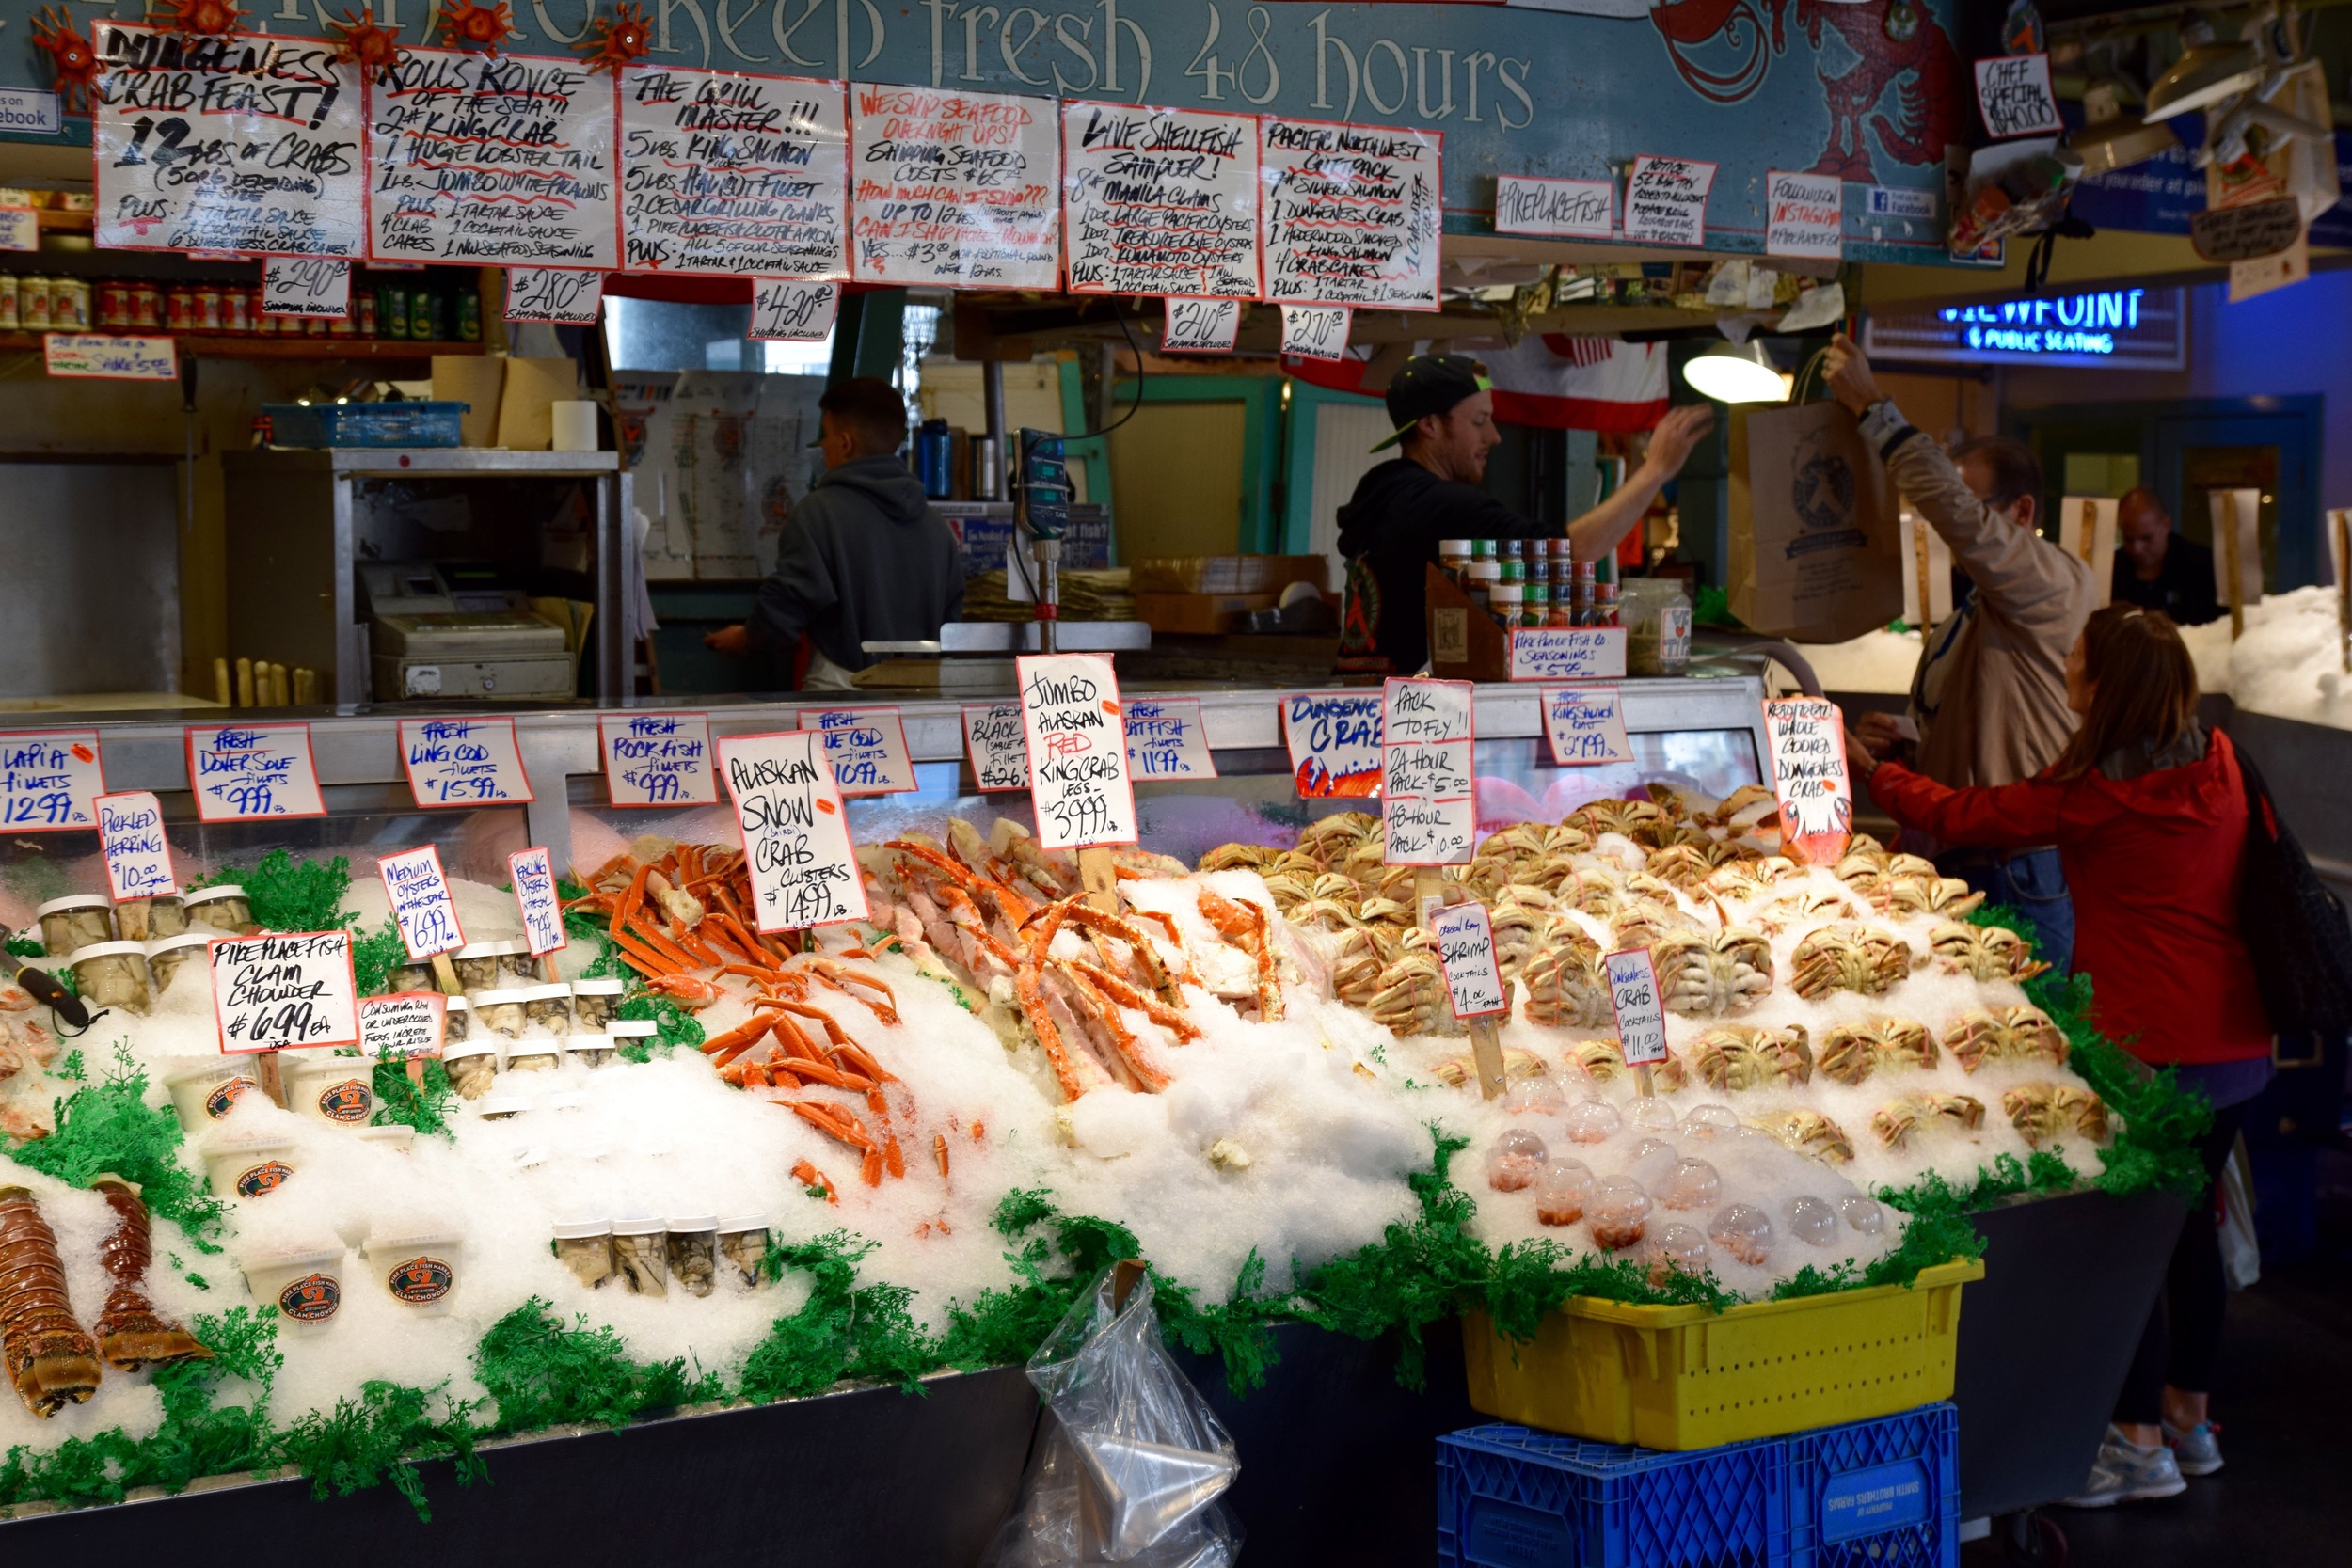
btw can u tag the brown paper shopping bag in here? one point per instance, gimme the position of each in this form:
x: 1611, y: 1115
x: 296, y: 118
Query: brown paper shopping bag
x: 1816, y: 551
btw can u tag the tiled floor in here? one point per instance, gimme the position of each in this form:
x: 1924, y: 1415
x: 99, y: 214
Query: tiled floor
x: 2285, y: 1409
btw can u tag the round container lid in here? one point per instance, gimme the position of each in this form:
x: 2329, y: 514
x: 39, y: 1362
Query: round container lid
x: 297, y: 1256
x: 307, y: 1065
x: 456, y: 1049
x: 207, y: 894
x: 211, y: 1071
x: 742, y: 1222
x: 547, y: 993
x: 1453, y: 546
x: 392, y: 1132
x: 637, y: 1225
x: 587, y: 1042
x: 492, y: 949
x: 573, y: 1231
x: 73, y: 901
x: 503, y: 1104
x: 249, y: 1141
x: 185, y: 939
x: 507, y: 996
x: 402, y: 1238
x: 697, y: 1222
x: 105, y: 950
x: 459, y: 1003
x: 563, y: 1099
x: 632, y: 1028
x: 598, y: 987
x: 534, y: 1045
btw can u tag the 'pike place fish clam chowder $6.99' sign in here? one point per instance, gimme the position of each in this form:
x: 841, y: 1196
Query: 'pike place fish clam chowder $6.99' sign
x: 280, y: 992
x: 1079, y: 783
x: 246, y: 144
x: 796, y: 834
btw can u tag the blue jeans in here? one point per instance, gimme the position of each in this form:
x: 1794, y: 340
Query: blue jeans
x: 2034, y: 884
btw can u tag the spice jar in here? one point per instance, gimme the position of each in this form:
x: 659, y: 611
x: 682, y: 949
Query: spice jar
x: 338, y: 1090
x: 166, y: 916
x: 1453, y: 555
x: 640, y: 1255
x: 743, y: 1241
x: 589, y: 1050
x: 501, y: 1011
x: 596, y: 1003
x: 166, y: 955
x: 304, y: 1283
x: 224, y: 909
x: 112, y: 975
x: 1505, y: 602
x: 71, y: 924
x: 585, y: 1248
x: 548, y: 1007
x: 418, y: 1268
x: 203, y: 1092
x: 537, y: 1053
x: 472, y: 1065
x: 1479, y: 581
x: 248, y: 1164
x: 693, y: 1251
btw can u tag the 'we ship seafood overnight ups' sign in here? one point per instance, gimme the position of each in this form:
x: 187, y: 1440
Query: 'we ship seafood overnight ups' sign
x: 1671, y: 81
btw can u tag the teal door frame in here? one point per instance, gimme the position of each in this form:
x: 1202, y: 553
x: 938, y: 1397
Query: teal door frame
x: 1303, y: 409
x: 1261, y: 531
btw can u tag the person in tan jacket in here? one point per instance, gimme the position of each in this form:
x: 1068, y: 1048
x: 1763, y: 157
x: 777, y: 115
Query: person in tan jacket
x: 1988, y: 704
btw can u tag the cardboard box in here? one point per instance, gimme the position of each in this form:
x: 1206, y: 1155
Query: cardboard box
x: 1199, y: 615
x: 477, y: 381
x: 1229, y: 574
x: 526, y: 404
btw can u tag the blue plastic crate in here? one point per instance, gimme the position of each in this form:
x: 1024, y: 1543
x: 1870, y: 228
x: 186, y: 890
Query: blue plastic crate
x: 416, y: 423
x: 1512, y: 1497
x: 1878, y: 1493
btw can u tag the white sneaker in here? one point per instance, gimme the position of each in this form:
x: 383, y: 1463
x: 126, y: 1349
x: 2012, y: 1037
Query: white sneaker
x: 2126, y: 1472
x: 2197, y: 1450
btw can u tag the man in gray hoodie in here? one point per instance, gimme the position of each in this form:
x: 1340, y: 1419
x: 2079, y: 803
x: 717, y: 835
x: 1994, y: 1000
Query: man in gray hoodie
x: 860, y: 558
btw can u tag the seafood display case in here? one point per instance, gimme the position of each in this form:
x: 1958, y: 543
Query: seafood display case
x: 1334, y: 1106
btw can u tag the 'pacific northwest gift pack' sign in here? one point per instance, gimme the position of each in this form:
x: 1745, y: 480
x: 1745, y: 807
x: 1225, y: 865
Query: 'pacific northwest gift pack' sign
x: 1350, y: 214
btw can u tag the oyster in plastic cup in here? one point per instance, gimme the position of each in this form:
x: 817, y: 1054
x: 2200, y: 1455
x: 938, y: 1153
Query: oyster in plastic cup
x: 1811, y: 1221
x: 112, y: 975
x: 248, y: 1164
x: 481, y: 965
x: 501, y: 1011
x: 1692, y: 1184
x: 547, y: 1007
x: 535, y: 1054
x: 224, y: 910
x: 458, y: 1022
x: 472, y: 1065
x: 743, y: 1242
x: 420, y: 1267
x: 1514, y: 1160
x: 694, y: 1252
x: 395, y: 1137
x: 596, y: 1003
x: 304, y: 1282
x: 79, y: 921
x: 585, y: 1248
x: 1563, y: 1188
x: 410, y: 975
x: 203, y: 1092
x: 1743, y: 1231
x: 641, y: 1250
x: 589, y: 1050
x: 499, y: 1107
x: 1619, y: 1211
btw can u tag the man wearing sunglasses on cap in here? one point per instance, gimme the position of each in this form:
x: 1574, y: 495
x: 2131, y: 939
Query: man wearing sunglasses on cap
x: 1389, y: 530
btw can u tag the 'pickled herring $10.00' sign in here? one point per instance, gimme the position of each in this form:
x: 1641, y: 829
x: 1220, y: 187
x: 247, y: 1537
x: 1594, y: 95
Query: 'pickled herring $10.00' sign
x: 796, y: 834
x: 277, y: 992
x: 1078, y: 777
x: 246, y: 143
x: 131, y: 837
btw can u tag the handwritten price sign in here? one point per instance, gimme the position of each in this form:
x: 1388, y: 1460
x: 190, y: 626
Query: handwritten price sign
x: 738, y: 174
x: 993, y: 741
x: 1334, y: 742
x: 657, y: 759
x: 1160, y: 201
x: 1567, y: 653
x: 1200, y: 327
x: 1430, y: 814
x: 1077, y: 740
x: 562, y: 296
x: 283, y: 992
x: 1466, y: 948
x: 306, y: 286
x: 131, y: 837
x: 242, y: 771
x: 532, y: 877
x: 1807, y: 738
x: 1167, y: 739
x: 421, y: 904
x: 796, y: 833
x: 463, y: 762
x: 866, y: 747
x: 1585, y: 725
x: 48, y: 781
x: 1315, y: 331
x: 1641, y: 1013
x: 96, y: 356
x: 1324, y: 185
x: 956, y: 189
x: 792, y: 311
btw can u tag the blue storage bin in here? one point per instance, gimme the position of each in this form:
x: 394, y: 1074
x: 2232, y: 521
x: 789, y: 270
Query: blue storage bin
x: 1877, y: 1493
x: 1512, y: 1497
x: 418, y: 423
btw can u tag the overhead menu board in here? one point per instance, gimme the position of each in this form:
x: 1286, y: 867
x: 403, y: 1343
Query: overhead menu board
x: 248, y: 144
x: 1160, y: 201
x: 1350, y: 214
x: 494, y: 161
x: 958, y: 190
x: 728, y: 173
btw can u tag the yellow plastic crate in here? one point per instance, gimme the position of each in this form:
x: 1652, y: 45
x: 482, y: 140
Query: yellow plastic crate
x: 1683, y: 1377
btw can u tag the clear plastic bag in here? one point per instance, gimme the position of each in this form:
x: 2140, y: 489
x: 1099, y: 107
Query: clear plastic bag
x: 1129, y: 1461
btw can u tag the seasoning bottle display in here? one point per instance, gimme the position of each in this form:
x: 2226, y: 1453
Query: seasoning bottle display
x: 1481, y: 549
x: 1507, y: 603
x: 1479, y: 583
x: 1537, y: 604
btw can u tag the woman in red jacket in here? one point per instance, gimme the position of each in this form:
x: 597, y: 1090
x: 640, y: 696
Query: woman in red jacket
x: 2148, y: 811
